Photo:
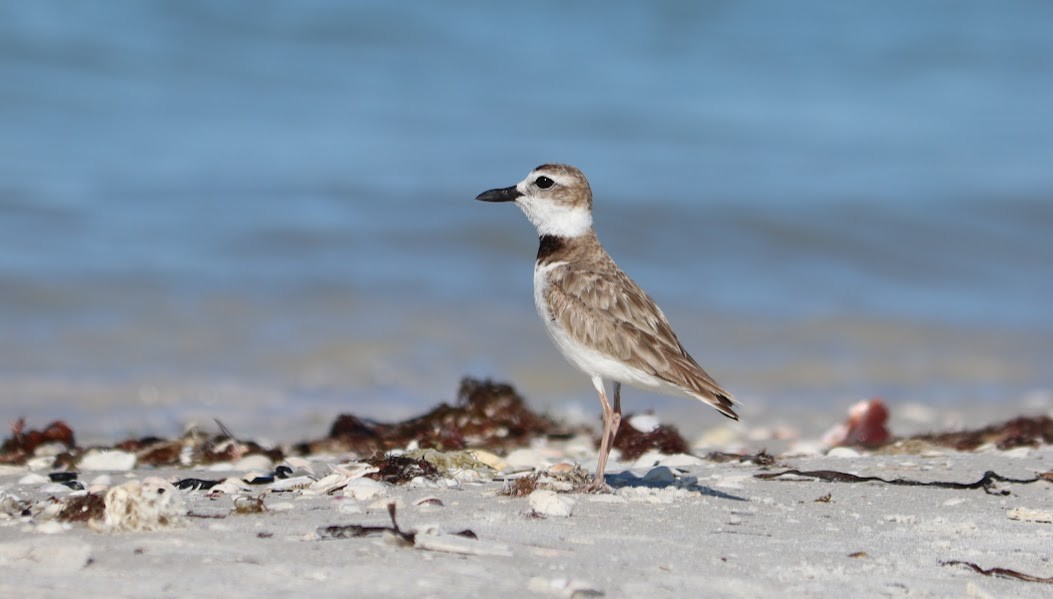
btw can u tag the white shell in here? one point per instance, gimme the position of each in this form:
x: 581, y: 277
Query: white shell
x: 254, y: 462
x: 110, y: 460
x: 355, y: 470
x: 550, y: 503
x: 34, y: 479
x: 364, y: 488
x: 329, y: 483
x: 291, y: 484
x: 148, y: 505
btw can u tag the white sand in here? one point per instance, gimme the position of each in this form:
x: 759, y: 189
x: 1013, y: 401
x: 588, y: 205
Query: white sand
x: 731, y: 535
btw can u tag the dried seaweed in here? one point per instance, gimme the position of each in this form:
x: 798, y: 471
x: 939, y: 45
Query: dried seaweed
x: 400, y: 469
x: 22, y: 443
x: 634, y: 443
x: 83, y: 509
x: 487, y: 415
x: 249, y: 505
x: 986, y: 482
x: 1000, y: 572
x: 1023, y: 431
x: 520, y: 487
x: 196, y: 447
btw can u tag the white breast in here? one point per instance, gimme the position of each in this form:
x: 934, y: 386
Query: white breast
x: 584, y: 358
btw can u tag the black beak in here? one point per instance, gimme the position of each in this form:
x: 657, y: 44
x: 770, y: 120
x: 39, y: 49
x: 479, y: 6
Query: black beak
x: 507, y: 194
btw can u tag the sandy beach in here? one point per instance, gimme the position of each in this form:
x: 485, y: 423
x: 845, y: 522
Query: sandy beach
x: 243, y: 268
x: 807, y: 522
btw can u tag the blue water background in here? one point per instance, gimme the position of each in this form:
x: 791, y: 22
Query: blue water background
x: 279, y: 194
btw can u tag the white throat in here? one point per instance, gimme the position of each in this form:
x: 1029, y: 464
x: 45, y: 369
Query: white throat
x: 556, y: 219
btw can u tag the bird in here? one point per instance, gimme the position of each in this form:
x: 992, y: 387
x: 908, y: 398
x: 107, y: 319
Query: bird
x: 602, y: 322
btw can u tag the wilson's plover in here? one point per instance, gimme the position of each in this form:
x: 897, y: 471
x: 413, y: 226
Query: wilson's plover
x: 601, y: 321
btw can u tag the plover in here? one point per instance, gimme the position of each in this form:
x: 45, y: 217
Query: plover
x: 600, y: 320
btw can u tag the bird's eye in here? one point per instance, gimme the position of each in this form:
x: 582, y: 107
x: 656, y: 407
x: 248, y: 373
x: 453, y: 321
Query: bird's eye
x: 544, y: 182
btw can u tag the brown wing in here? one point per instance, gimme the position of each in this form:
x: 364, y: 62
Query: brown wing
x: 583, y: 302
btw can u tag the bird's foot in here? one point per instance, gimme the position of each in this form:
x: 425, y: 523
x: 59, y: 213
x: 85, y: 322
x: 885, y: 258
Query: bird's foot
x: 598, y: 487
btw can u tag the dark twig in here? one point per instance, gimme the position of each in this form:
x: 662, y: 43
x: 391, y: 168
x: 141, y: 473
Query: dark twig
x: 985, y: 483
x: 1000, y: 572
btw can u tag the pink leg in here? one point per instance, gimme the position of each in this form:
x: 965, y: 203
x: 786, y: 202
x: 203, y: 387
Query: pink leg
x: 611, y: 420
x: 616, y: 418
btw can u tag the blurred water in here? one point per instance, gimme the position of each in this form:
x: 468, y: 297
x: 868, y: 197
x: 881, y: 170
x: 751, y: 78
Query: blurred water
x: 829, y: 199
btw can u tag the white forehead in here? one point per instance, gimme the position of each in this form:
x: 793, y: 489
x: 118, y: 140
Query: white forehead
x: 558, y: 175
x: 564, y: 177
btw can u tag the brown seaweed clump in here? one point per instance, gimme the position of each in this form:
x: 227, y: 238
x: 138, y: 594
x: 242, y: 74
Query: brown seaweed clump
x: 400, y: 469
x: 83, y: 508
x: 634, y: 443
x: 195, y: 448
x: 1023, y: 431
x: 487, y: 415
x: 22, y: 443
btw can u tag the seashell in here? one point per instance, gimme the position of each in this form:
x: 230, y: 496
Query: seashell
x: 355, y: 470
x: 291, y: 484
x: 107, y: 459
x: 550, y: 503
x: 297, y: 463
x: 364, y: 488
x: 843, y: 452
x: 148, y: 505
x: 329, y: 483
x: 230, y: 486
x: 102, y: 480
x: 561, y: 468
x: 255, y: 461
x: 519, y: 459
x: 40, y: 463
x: 429, y: 500
x: 645, y: 423
x: 492, y: 460
x: 34, y: 479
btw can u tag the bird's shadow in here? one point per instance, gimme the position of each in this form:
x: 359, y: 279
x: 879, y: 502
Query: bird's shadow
x: 689, y: 483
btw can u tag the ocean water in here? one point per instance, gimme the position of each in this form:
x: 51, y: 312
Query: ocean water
x: 263, y: 211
